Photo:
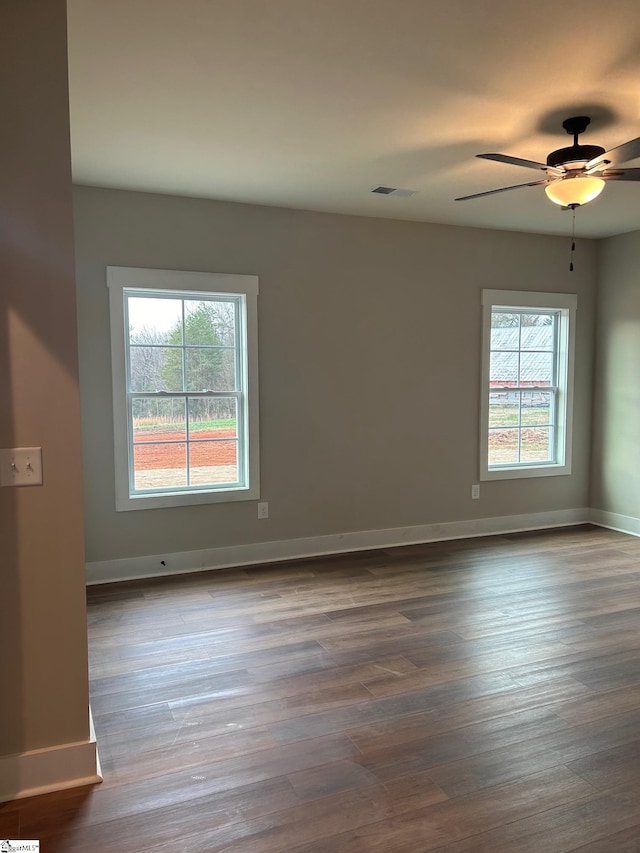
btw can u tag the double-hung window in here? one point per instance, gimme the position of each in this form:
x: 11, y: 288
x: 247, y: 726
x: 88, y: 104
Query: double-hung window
x: 527, y: 384
x: 185, y: 394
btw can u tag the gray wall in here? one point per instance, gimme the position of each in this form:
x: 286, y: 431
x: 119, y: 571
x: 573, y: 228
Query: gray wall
x: 43, y: 629
x: 616, y: 445
x: 369, y: 337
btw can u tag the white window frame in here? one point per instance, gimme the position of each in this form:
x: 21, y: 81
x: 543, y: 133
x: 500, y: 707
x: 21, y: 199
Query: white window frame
x: 184, y: 285
x: 566, y: 304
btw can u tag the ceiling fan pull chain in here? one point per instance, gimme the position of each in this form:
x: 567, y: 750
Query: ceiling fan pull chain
x: 573, y: 235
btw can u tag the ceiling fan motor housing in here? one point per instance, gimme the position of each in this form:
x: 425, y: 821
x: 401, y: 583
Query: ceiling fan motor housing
x: 578, y: 154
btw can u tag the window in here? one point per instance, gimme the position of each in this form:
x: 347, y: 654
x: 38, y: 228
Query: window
x: 527, y: 384
x: 185, y: 393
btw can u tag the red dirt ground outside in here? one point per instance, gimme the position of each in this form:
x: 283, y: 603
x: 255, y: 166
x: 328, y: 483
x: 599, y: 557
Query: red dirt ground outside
x: 150, y: 456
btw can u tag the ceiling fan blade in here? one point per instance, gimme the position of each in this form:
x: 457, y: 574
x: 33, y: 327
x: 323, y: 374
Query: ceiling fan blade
x: 518, y: 161
x: 621, y: 175
x: 502, y: 190
x: 597, y: 169
x: 622, y: 154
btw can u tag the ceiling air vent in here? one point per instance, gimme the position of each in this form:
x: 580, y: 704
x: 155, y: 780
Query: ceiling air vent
x: 382, y: 190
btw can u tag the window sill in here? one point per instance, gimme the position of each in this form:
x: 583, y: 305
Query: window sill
x: 525, y: 473
x: 126, y: 503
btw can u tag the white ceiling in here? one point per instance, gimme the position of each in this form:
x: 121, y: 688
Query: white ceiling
x: 312, y: 103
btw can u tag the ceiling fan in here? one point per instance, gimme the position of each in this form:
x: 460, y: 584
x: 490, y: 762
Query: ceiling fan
x: 574, y: 175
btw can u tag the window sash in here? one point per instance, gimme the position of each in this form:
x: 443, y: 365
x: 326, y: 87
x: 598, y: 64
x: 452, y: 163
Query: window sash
x: 552, y: 426
x: 239, y: 439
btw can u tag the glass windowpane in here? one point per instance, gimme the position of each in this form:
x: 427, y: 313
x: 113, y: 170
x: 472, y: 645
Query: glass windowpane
x: 537, y: 332
x: 159, y: 466
x: 505, y: 319
x: 504, y: 368
x: 505, y: 337
x: 210, y: 323
x: 503, y: 446
x: 154, y: 320
x: 159, y: 420
x: 213, y: 462
x: 212, y: 418
x: 155, y: 369
x: 504, y: 408
x: 537, y: 408
x: 210, y: 369
x: 536, y: 368
x: 536, y: 444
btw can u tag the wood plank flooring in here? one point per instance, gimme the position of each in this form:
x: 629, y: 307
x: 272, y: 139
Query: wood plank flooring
x: 458, y: 697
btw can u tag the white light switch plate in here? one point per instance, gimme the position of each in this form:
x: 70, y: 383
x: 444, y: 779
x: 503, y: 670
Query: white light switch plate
x: 21, y: 466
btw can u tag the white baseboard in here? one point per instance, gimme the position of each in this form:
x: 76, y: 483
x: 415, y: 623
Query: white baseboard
x: 615, y: 521
x: 68, y: 765
x: 110, y: 571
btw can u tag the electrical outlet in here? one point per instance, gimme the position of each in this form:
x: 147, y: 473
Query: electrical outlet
x: 263, y: 510
x: 475, y: 492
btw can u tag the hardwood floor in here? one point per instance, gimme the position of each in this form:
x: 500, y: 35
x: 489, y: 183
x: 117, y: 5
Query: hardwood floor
x: 478, y: 695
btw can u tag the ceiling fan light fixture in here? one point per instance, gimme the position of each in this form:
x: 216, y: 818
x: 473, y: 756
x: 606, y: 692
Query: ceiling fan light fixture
x: 568, y: 192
